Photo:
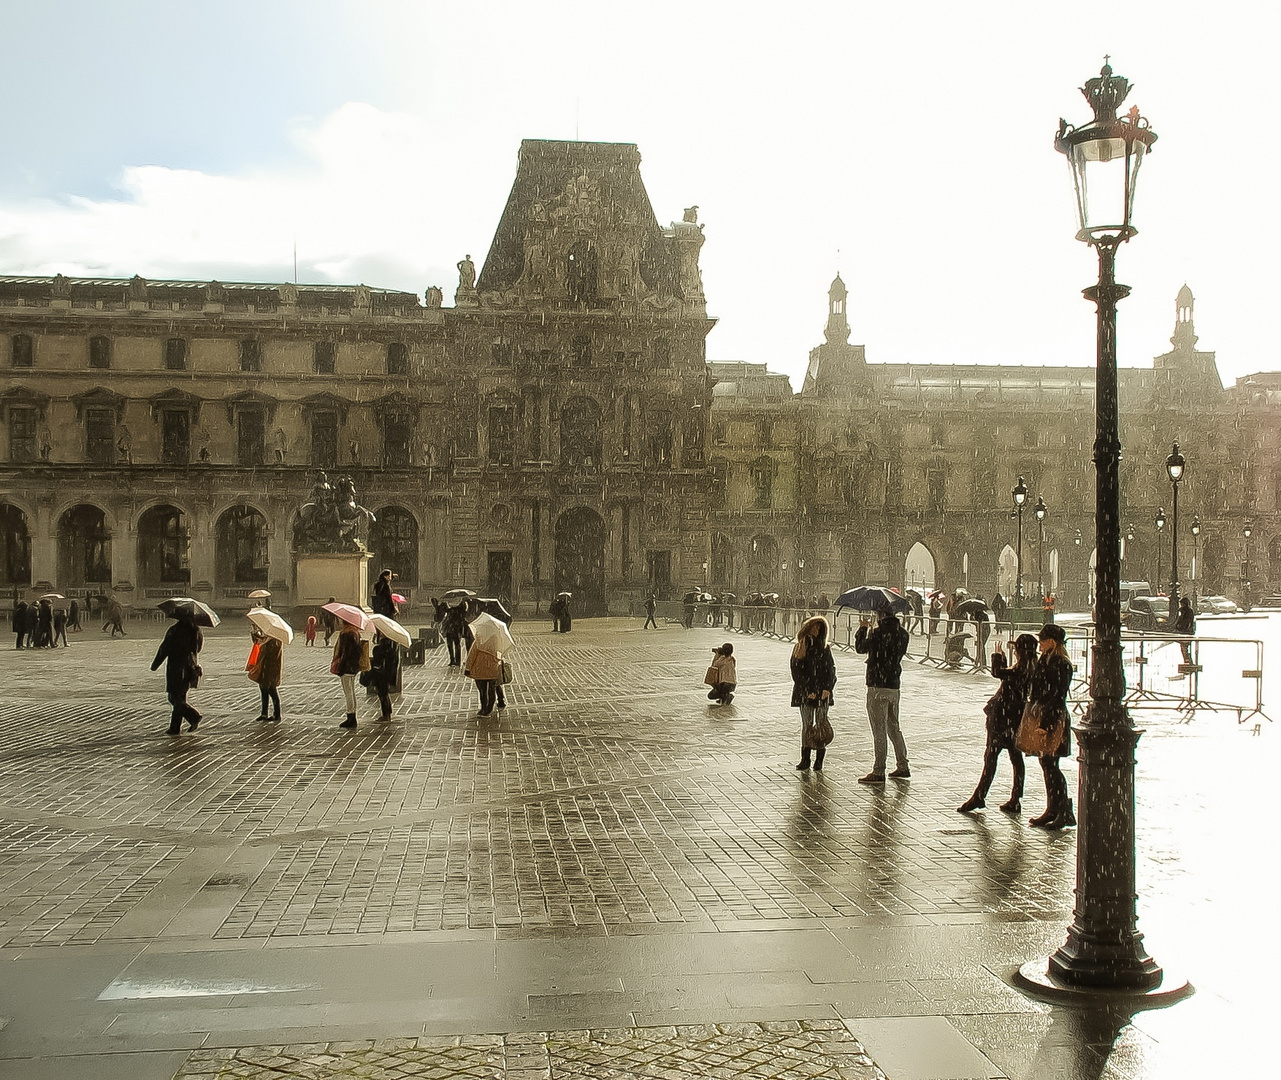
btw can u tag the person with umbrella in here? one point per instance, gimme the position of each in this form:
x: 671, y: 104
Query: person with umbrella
x: 179, y: 652
x: 885, y: 647
x: 115, y: 618
x: 485, y: 659
x: 347, y: 654
x: 382, y: 601
x: 270, y: 633
x: 384, y: 662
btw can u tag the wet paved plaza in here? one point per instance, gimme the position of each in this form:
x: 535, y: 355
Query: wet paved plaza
x: 610, y: 874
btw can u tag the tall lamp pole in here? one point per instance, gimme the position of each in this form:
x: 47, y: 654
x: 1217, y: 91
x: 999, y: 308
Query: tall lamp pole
x: 1076, y: 543
x: 1160, y: 527
x: 1174, y: 467
x: 1020, y: 497
x: 1196, y: 561
x: 1247, y: 532
x: 1104, y: 949
x: 1040, y: 510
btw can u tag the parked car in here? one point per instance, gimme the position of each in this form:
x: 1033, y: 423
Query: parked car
x: 1216, y: 605
x: 1148, y: 613
x: 1131, y: 589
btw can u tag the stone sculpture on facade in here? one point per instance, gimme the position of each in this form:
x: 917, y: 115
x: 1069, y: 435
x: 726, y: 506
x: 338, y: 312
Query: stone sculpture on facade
x: 331, y: 519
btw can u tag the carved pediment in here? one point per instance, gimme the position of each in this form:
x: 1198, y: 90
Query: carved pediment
x: 399, y: 406
x: 173, y: 398
x: 22, y: 396
x: 250, y: 399
x: 99, y: 398
x: 327, y: 402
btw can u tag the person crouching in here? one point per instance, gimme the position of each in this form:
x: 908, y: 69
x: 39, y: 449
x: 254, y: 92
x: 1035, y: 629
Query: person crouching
x: 722, y: 675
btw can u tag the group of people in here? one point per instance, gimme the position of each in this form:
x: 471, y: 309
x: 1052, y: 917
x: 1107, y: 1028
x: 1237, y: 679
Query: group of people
x: 40, y: 625
x: 1035, y: 684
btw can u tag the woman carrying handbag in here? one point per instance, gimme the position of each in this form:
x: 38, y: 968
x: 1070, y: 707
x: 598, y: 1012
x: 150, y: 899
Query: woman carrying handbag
x: 813, y: 680
x: 1047, y: 711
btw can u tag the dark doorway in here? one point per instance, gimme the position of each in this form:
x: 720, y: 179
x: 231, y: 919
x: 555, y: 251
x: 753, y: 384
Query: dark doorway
x: 660, y: 573
x: 499, y: 578
x: 580, y: 560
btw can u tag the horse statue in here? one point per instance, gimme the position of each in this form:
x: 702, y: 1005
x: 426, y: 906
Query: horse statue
x: 332, y: 519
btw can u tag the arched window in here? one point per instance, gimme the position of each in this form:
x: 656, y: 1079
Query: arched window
x: 393, y: 539
x: 176, y: 354
x: 84, y: 548
x: 162, y: 547
x: 241, y: 548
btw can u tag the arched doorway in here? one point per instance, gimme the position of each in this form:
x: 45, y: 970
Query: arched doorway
x: 162, y: 547
x: 393, y: 538
x: 15, y: 546
x: 240, y: 545
x: 1007, y: 572
x: 84, y: 548
x: 580, y: 559
x: 918, y: 569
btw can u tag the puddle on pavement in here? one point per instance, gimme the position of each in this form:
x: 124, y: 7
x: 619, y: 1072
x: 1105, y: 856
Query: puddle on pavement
x: 123, y: 989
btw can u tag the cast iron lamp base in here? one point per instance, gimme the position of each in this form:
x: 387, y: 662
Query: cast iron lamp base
x: 1034, y: 978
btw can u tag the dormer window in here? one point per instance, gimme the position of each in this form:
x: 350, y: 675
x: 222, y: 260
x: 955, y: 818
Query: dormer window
x: 99, y: 351
x: 22, y: 351
x: 176, y: 354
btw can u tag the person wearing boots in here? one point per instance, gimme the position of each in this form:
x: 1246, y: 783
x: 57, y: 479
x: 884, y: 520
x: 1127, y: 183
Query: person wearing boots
x: 813, y: 683
x: 346, y: 665
x: 1004, y: 712
x: 1051, y: 680
x: 722, y: 675
x: 885, y: 647
x: 266, y: 672
x: 178, y: 651
x: 384, y: 666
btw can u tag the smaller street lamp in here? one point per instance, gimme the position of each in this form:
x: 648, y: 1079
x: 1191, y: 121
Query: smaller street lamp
x: 1020, y: 497
x: 1196, y: 560
x: 1160, y: 525
x: 1076, y: 543
x: 1174, y: 465
x: 1247, y: 532
x: 1040, y: 510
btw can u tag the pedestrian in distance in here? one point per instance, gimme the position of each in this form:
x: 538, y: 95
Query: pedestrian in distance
x: 382, y: 601
x: 44, y: 625
x: 329, y: 621
x: 266, y: 669
x: 453, y: 624
x: 1185, y: 624
x: 384, y: 666
x: 1048, y: 691
x: 885, y: 647
x: 346, y: 664
x: 651, y: 606
x: 1004, y: 712
x: 33, y: 624
x: 485, y: 666
x: 722, y: 675
x: 999, y: 608
x: 73, y: 617
x: 20, y: 623
x: 982, y: 631
x: 936, y: 609
x: 115, y: 618
x: 60, y: 626
x: 813, y: 685
x: 179, y: 651
x: 310, y: 632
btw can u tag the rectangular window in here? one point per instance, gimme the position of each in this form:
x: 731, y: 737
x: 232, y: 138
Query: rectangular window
x: 100, y: 436
x: 22, y: 434
x: 250, y: 355
x: 23, y: 352
x: 936, y: 483
x: 660, y: 444
x: 502, y: 435
x: 250, y: 437
x: 764, y: 432
x: 324, y: 439
x: 324, y: 357
x: 176, y: 354
x: 99, y: 352
x: 396, y: 435
x: 175, y: 437
x: 397, y: 359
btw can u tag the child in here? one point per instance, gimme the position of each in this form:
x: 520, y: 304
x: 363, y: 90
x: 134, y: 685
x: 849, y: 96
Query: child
x: 722, y: 676
x: 311, y: 629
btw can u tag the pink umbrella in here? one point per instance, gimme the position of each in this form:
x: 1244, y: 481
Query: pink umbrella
x: 349, y: 614
x: 397, y: 598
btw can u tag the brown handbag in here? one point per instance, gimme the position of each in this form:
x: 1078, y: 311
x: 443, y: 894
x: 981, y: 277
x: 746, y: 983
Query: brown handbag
x: 1035, y: 739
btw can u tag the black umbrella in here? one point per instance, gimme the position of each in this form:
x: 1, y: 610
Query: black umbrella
x: 184, y: 607
x: 457, y: 596
x: 873, y: 598
x: 972, y: 609
x: 491, y: 605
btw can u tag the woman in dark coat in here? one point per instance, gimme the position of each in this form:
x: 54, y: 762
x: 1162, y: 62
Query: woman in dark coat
x: 20, y: 622
x: 1051, y: 681
x: 346, y: 665
x: 384, y: 664
x: 382, y: 601
x: 1004, y: 712
x: 266, y: 672
x: 813, y: 680
x: 178, y: 652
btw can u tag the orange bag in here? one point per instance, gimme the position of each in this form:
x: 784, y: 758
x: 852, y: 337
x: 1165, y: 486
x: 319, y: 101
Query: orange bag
x: 253, y: 656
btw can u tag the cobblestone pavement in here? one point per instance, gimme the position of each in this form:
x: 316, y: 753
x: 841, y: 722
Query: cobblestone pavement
x: 609, y: 854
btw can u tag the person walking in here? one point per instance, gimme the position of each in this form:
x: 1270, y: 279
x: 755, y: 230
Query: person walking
x: 1004, y: 712
x: 651, y: 606
x: 384, y: 665
x: 44, y: 625
x: 33, y: 623
x: 1185, y: 624
x: 115, y: 618
x: 179, y: 651
x: 60, y: 627
x: 452, y: 624
x: 722, y: 675
x: 266, y: 671
x: 1048, y: 690
x: 486, y: 668
x: 20, y: 622
x: 346, y: 665
x: 813, y: 685
x: 73, y: 617
x: 885, y: 647
x: 982, y: 631
x: 329, y: 621
x: 382, y: 601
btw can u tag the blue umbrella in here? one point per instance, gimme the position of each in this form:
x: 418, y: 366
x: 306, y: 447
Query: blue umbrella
x: 873, y: 598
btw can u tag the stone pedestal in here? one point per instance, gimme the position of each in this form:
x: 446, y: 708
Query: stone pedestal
x: 344, y: 575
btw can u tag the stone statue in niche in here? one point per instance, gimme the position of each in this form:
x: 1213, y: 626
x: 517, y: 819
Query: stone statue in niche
x: 433, y: 297
x: 288, y: 293
x: 61, y: 288
x: 691, y: 215
x: 137, y: 287
x: 362, y: 298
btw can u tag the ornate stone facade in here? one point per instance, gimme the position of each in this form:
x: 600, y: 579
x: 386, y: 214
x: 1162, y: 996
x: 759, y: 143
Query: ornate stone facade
x: 560, y: 428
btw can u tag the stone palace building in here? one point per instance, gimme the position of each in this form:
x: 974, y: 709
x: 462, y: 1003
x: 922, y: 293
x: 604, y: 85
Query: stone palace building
x: 559, y: 428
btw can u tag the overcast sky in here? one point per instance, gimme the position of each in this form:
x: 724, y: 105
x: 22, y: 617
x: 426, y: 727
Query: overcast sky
x: 908, y: 145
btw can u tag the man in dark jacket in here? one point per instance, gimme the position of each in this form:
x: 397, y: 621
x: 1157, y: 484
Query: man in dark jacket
x: 178, y: 651
x: 885, y: 647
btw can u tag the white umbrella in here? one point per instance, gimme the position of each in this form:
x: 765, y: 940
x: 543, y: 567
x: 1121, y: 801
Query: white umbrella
x: 491, y: 634
x: 259, y: 594
x: 390, y: 628
x: 271, y: 624
x: 349, y: 614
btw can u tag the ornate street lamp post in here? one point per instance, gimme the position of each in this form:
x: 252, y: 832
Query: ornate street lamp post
x: 1174, y: 470
x: 1104, y: 949
x: 1196, y: 562
x: 1040, y: 510
x: 1247, y: 532
x: 1020, y: 497
x: 1160, y: 527
x: 1076, y: 543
